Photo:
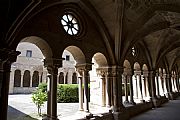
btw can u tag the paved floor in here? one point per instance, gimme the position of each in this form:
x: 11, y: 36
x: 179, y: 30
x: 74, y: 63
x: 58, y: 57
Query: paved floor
x: 21, y: 107
x: 169, y: 111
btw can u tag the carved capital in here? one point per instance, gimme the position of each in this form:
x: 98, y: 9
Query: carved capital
x: 7, y: 55
x: 83, y: 67
x: 116, y: 70
x: 53, y: 62
x: 102, y: 71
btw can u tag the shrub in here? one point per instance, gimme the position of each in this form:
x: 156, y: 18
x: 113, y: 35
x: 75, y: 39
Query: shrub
x: 42, y: 87
x: 67, y: 93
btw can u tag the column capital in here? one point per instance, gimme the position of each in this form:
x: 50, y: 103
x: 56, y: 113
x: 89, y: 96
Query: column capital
x: 83, y: 67
x: 8, y: 55
x: 102, y: 71
x: 116, y: 70
x: 138, y: 72
x: 53, y: 62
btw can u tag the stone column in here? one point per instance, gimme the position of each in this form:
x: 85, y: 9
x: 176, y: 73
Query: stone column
x: 80, y: 94
x: 169, y: 86
x: 157, y: 84
x: 152, y: 75
x: 79, y: 71
x: 165, y: 84
x: 129, y: 76
x: 85, y: 68
x: 22, y: 74
x: 135, y: 86
x: 31, y: 78
x: 7, y: 57
x: 117, y: 72
x: 125, y: 88
x: 108, y: 90
x: 11, y: 82
x: 52, y: 65
x: 147, y: 94
x: 177, y: 83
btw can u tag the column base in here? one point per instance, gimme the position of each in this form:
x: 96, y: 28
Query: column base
x: 126, y: 102
x: 132, y: 103
x: 142, y: 101
x: 49, y: 118
x: 121, y: 116
x: 81, y: 109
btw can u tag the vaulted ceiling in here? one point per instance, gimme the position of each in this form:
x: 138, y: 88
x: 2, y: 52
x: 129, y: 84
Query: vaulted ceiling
x: 156, y: 23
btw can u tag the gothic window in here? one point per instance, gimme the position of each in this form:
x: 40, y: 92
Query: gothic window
x: 17, y: 78
x: 29, y: 53
x: 67, y: 57
x: 26, y: 79
x: 74, y: 78
x: 133, y: 51
x: 61, y: 78
x: 70, y: 24
x: 35, y: 79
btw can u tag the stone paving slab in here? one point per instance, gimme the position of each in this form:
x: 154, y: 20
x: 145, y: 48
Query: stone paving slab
x: 168, y: 111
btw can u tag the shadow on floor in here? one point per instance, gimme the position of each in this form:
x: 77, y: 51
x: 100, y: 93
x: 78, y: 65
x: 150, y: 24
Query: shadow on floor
x: 14, y: 114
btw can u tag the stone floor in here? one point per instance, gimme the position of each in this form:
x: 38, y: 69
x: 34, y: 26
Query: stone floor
x: 168, y: 111
x: 21, y: 107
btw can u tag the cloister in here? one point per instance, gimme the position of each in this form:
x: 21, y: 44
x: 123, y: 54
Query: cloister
x: 131, y: 45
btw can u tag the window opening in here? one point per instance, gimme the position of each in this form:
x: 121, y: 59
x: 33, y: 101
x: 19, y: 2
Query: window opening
x: 70, y: 24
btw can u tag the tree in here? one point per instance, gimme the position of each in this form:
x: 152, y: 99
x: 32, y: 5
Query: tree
x: 39, y: 97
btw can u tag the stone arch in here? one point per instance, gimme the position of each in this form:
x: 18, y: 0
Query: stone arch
x: 35, y: 79
x: 26, y: 78
x: 145, y: 67
x: 74, y: 78
x: 127, y: 67
x: 100, y: 59
x: 41, y: 44
x: 17, y: 78
x: 77, y: 54
x: 137, y: 66
x: 61, y: 78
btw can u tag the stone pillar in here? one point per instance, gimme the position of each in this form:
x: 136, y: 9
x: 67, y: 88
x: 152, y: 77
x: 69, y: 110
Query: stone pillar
x: 52, y: 65
x: 22, y: 74
x: 135, y: 87
x: 165, y: 84
x: 49, y: 97
x: 157, y: 85
x: 11, y: 82
x: 147, y: 94
x: 31, y: 78
x: 177, y: 83
x: 80, y: 94
x: 153, y: 96
x: 117, y: 72
x: 129, y: 76
x: 85, y: 68
x: 125, y: 88
x: 7, y: 57
x: 108, y: 90
x: 79, y: 71
x: 169, y: 86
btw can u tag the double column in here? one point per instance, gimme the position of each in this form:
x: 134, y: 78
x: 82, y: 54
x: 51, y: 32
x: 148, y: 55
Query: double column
x: 52, y: 65
x: 83, y: 70
x: 117, y: 72
x: 7, y: 57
